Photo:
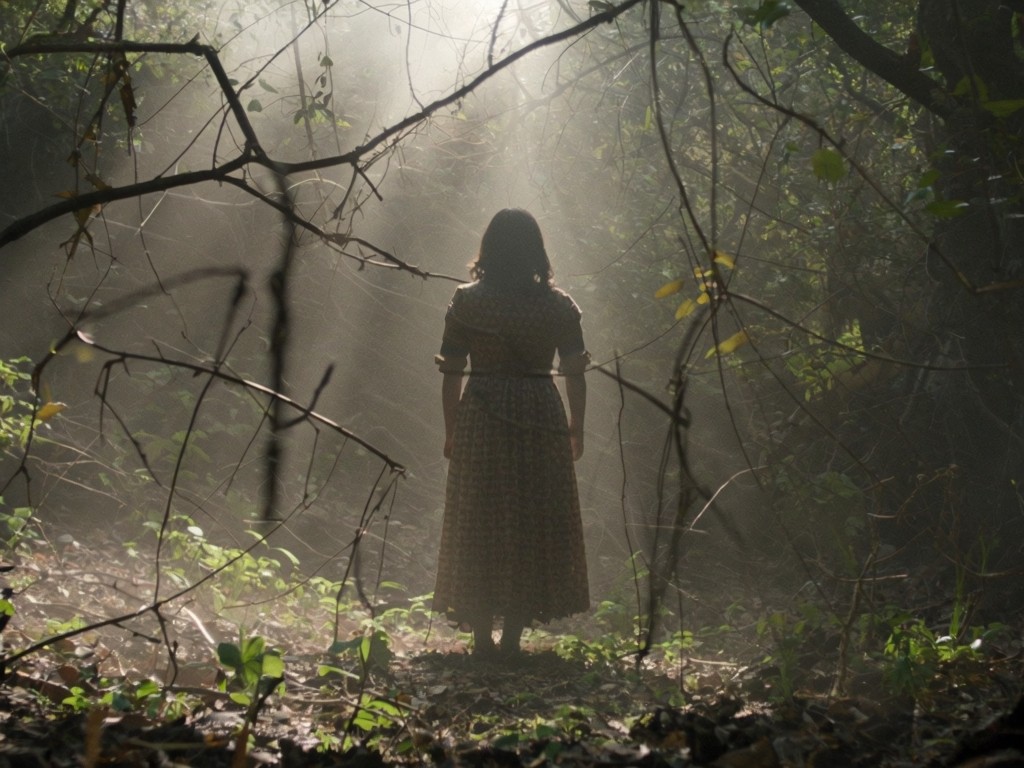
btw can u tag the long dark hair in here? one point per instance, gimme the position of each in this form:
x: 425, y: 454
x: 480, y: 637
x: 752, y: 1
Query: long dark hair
x: 512, y: 252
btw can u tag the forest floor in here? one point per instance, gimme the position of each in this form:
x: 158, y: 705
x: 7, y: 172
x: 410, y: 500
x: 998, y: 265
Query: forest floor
x: 409, y: 693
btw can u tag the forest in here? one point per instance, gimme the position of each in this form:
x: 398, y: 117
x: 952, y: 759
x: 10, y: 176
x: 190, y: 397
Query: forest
x: 228, y: 235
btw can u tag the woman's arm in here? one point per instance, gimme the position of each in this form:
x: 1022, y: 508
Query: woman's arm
x: 451, y: 391
x: 576, y: 394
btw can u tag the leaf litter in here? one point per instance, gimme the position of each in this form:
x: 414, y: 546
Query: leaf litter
x: 101, y: 698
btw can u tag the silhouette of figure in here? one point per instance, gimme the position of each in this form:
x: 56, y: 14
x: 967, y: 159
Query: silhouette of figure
x: 512, y: 538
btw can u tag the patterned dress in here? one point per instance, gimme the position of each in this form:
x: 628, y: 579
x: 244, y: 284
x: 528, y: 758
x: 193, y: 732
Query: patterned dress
x: 512, y: 539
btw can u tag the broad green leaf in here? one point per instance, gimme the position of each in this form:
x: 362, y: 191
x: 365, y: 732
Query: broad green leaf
x: 341, y: 646
x: 254, y: 105
x: 230, y: 655
x: 964, y: 88
x: 252, y: 647
x: 6, y: 607
x: 946, y: 209
x: 273, y: 665
x: 1003, y: 107
x: 383, y: 705
x: 669, y: 288
x: 326, y: 61
x: 240, y: 698
x: 828, y: 165
x: 267, y: 86
x: 766, y: 14
x: 731, y: 344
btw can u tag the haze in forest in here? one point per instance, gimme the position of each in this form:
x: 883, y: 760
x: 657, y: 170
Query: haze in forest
x: 844, y: 359
x: 378, y: 328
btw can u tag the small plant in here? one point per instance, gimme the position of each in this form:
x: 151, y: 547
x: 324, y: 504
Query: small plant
x: 373, y: 651
x: 19, y: 414
x: 915, y: 653
x: 15, y: 408
x: 254, y: 672
x: 792, y: 636
x: 374, y: 717
x: 17, y: 527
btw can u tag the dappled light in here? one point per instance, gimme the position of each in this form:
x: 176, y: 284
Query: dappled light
x: 228, y: 238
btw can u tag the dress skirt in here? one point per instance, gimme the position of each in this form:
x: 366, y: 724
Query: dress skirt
x: 512, y: 538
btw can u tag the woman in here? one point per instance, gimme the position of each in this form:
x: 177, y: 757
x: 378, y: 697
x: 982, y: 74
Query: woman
x: 512, y: 540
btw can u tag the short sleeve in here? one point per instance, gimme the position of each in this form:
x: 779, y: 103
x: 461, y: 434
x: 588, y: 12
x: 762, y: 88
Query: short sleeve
x: 573, y: 357
x: 454, y: 343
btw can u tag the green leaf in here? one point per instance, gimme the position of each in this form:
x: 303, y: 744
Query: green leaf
x: 254, y: 105
x: 964, y: 88
x: 946, y: 209
x: 266, y: 86
x: 828, y: 165
x: 241, y: 698
x: 230, y: 655
x: 1003, y: 107
x: 928, y: 179
x: 506, y: 742
x: 342, y: 646
x: 273, y: 665
x: 252, y: 647
x: 326, y: 61
x: 766, y: 14
x: 383, y: 705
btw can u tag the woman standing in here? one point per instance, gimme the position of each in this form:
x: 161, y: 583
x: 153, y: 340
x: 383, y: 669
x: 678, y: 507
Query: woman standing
x: 512, y: 540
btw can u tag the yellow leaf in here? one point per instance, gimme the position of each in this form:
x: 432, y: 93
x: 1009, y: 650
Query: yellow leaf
x: 49, y: 410
x: 731, y: 344
x: 703, y: 298
x: 96, y: 181
x: 686, y: 309
x: 725, y: 260
x: 668, y: 289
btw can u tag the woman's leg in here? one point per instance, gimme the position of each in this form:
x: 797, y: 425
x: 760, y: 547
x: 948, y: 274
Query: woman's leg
x: 511, y: 632
x: 483, y: 643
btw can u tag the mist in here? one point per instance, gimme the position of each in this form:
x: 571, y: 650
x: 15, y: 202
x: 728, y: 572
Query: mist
x: 527, y: 137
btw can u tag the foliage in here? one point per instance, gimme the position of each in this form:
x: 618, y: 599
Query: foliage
x: 841, y: 236
x: 15, y: 407
x: 255, y: 672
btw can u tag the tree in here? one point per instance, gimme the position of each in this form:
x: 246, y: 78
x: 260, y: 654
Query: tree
x: 813, y: 195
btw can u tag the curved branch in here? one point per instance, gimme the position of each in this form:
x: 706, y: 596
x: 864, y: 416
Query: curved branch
x: 305, y: 412
x: 253, y: 153
x: 875, y: 57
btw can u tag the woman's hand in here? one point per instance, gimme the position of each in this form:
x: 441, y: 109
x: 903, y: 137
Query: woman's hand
x: 576, y: 441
